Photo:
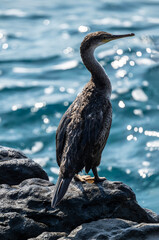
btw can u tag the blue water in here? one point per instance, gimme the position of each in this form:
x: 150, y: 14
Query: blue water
x: 41, y: 73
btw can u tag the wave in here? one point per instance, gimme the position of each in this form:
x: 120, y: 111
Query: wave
x: 39, y: 60
x: 17, y: 13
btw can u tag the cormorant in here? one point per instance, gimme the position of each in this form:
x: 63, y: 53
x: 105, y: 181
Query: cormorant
x: 84, y: 128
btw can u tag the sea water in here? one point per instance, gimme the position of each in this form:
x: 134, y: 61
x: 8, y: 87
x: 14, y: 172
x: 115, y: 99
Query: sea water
x: 41, y: 73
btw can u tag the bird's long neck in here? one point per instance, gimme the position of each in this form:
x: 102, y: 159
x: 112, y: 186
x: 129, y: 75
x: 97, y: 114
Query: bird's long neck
x: 99, y: 77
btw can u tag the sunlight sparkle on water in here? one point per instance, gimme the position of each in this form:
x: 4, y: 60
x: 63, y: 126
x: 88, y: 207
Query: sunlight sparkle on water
x: 138, y: 112
x: 35, y: 148
x: 39, y: 104
x: 130, y: 137
x: 139, y: 95
x: 1, y: 35
x: 136, y: 129
x: 48, y: 90
x: 132, y: 63
x: 121, y: 104
x: 139, y: 54
x: 70, y: 90
x: 151, y: 133
x: 119, y: 62
x: 146, y: 163
x: 83, y: 28
x: 143, y: 172
x: 145, y: 61
x: 128, y: 171
x: 5, y: 46
x: 148, y: 50
x: 66, y: 103
x: 68, y: 50
x: 66, y: 65
x: 153, y: 145
x: 46, y: 120
x: 15, y: 107
x: 55, y: 170
x: 119, y: 51
x: 51, y: 129
x: 62, y: 89
x: 129, y: 127
x: 121, y: 73
x: 141, y: 130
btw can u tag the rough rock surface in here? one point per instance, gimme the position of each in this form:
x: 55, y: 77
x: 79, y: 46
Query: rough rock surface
x: 26, y: 213
x: 16, y: 167
x: 115, y: 229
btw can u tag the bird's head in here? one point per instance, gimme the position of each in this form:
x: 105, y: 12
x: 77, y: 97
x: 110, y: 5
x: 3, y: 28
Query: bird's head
x: 96, y: 39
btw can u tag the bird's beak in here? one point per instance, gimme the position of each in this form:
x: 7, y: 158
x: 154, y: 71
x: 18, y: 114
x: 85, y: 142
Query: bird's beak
x: 113, y: 37
x: 122, y: 36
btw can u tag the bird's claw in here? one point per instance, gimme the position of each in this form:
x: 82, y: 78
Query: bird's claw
x: 100, y: 179
x: 88, y: 178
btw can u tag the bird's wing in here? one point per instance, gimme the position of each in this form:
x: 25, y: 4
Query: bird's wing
x: 61, y: 137
x: 79, y: 137
x: 95, y: 133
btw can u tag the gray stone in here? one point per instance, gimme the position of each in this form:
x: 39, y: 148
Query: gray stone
x: 49, y: 236
x: 10, y: 154
x: 114, y: 229
x: 16, y: 226
x: 15, y: 167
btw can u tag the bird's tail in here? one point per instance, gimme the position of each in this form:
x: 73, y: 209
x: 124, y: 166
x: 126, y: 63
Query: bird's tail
x: 60, y: 190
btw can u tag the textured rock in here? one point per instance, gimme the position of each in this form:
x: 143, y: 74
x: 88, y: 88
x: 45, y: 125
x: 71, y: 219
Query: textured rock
x: 26, y: 213
x: 15, y: 226
x: 115, y: 229
x: 82, y: 203
x: 49, y: 236
x: 15, y: 167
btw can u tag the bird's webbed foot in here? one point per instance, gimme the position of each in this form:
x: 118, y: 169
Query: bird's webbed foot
x: 100, y: 179
x: 88, y: 178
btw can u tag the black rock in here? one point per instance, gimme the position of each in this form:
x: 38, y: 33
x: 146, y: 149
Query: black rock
x: 26, y: 213
x: 82, y: 203
x: 15, y: 167
x: 16, y: 226
x: 49, y: 236
x: 114, y: 229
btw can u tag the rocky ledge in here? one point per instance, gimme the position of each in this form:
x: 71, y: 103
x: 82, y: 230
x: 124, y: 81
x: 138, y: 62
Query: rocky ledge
x: 106, y: 210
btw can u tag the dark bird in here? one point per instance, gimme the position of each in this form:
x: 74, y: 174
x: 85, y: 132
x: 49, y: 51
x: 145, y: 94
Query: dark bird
x: 84, y: 128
